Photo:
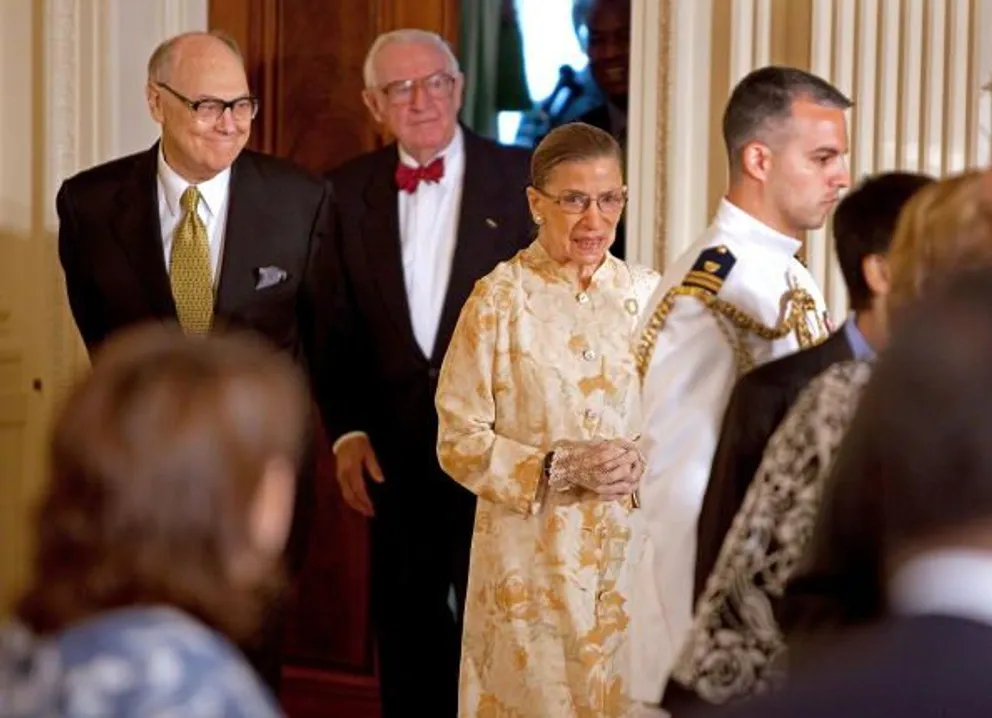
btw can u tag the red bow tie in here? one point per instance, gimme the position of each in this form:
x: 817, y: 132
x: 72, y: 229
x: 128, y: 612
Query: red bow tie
x: 407, y: 178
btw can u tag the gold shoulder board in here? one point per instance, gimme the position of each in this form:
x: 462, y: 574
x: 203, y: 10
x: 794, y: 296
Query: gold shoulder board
x: 702, y: 283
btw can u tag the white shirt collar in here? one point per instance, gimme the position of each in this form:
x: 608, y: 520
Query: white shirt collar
x: 212, y: 192
x: 733, y: 218
x: 950, y: 582
x: 452, y: 155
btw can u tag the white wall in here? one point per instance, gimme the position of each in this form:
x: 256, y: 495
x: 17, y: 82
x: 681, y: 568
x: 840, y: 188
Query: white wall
x: 138, y: 27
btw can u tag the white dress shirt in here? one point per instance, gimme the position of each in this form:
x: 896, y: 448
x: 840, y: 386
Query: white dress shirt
x: 948, y: 582
x: 214, y: 197
x: 428, y: 234
x: 685, y: 392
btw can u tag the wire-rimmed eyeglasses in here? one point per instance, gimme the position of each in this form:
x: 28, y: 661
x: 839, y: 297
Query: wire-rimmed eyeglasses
x: 574, y: 202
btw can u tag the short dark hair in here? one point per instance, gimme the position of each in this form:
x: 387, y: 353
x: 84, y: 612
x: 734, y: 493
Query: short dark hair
x: 155, y: 461
x: 865, y: 222
x: 764, y: 98
x: 924, y: 458
x: 572, y: 142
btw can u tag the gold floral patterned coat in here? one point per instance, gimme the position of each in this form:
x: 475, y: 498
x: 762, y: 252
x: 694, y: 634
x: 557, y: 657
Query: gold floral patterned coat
x: 534, y: 360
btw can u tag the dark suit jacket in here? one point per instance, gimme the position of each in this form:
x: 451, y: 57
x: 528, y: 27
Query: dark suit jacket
x: 758, y: 404
x: 918, y: 667
x: 383, y: 384
x: 110, y: 246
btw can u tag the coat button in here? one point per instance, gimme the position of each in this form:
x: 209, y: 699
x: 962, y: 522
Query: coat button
x: 582, y: 298
x: 432, y: 373
x: 589, y: 355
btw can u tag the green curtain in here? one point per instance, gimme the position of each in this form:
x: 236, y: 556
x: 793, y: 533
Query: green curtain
x: 492, y: 59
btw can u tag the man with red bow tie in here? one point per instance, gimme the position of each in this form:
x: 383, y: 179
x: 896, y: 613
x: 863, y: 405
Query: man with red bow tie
x: 418, y: 222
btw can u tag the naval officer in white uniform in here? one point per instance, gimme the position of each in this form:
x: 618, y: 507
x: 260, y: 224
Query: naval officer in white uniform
x: 738, y: 297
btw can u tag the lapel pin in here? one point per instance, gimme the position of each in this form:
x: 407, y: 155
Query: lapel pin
x: 491, y: 222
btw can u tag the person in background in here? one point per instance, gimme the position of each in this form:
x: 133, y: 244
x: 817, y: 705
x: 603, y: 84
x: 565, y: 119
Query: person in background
x: 199, y: 230
x: 607, y: 44
x: 538, y: 405
x: 608, y: 47
x: 737, y: 298
x: 160, y: 533
x: 417, y: 223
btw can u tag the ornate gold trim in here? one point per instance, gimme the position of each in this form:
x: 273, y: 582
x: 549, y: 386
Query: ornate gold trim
x: 661, y: 132
x: 797, y: 304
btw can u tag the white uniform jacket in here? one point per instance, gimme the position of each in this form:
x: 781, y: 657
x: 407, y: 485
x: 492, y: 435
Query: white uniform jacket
x: 737, y: 298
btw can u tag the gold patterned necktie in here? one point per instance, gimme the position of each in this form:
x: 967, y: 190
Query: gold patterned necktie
x: 189, y: 268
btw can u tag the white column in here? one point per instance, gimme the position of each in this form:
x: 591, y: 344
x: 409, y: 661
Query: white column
x: 646, y: 126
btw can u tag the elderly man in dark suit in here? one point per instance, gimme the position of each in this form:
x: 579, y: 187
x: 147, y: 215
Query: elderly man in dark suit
x: 199, y: 230
x: 418, y: 222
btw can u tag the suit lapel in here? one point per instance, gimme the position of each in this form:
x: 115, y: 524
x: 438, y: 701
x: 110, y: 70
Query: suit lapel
x: 478, y: 232
x: 381, y: 239
x: 139, y: 232
x: 246, y: 235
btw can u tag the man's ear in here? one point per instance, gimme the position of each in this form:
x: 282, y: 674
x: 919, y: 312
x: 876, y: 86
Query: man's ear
x: 875, y: 268
x: 756, y: 160
x: 371, y: 102
x: 154, y: 98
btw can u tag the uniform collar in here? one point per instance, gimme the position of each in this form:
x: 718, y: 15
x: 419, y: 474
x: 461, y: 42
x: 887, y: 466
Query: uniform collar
x: 212, y: 192
x: 732, y: 218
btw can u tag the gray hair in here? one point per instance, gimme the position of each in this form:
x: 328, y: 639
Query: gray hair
x: 409, y: 36
x: 763, y: 100
x: 160, y: 62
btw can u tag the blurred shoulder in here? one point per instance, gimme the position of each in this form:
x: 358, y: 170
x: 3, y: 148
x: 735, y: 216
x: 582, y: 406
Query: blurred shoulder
x: 158, y: 656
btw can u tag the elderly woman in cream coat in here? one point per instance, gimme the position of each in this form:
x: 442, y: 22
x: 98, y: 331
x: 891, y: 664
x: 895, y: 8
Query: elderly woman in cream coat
x: 538, y: 403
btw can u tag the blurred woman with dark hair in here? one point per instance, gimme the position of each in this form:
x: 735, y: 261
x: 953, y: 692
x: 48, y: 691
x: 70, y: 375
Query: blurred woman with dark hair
x: 158, y: 542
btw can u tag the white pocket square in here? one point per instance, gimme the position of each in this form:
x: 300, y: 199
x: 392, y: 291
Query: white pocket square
x: 269, y: 276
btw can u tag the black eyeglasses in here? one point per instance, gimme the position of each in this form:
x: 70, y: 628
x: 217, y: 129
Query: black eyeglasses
x: 210, y: 109
x: 572, y: 202
x: 437, y: 86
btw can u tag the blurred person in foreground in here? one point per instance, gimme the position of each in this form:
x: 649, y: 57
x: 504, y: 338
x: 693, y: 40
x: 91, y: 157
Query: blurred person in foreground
x: 158, y: 541
x: 538, y: 405
x: 889, y: 484
x: 864, y: 225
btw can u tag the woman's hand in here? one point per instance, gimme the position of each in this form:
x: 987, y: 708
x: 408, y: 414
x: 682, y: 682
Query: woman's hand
x: 611, y: 468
